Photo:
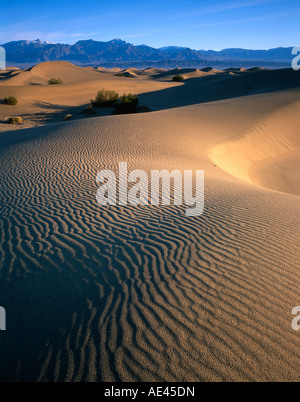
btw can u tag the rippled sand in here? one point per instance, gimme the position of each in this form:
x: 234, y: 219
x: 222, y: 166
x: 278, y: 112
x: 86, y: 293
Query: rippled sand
x: 145, y: 293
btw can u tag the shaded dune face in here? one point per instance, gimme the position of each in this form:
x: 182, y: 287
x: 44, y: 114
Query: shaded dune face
x: 142, y: 293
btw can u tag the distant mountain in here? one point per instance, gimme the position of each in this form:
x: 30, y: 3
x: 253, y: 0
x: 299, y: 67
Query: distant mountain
x: 122, y: 54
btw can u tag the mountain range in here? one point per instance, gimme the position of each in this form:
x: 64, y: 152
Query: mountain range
x: 118, y: 53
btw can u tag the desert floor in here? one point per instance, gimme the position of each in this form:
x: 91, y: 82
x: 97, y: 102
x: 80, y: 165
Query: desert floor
x: 144, y: 293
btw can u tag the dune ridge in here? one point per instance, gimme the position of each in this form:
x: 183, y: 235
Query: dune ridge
x: 268, y: 139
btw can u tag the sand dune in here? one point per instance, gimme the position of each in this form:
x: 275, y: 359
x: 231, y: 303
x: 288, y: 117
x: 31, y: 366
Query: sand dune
x: 113, y: 70
x: 135, y: 71
x: 39, y: 103
x: 268, y: 140
x: 186, y: 73
x: 240, y: 70
x: 254, y: 69
x: 210, y: 70
x: 144, y: 293
x: 194, y: 73
x: 152, y: 71
x: 41, y: 73
x: 221, y: 86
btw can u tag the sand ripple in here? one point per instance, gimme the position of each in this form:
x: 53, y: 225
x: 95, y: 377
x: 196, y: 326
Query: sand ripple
x: 140, y: 293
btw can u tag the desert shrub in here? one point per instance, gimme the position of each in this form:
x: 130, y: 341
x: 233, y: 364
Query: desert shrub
x: 68, y: 117
x: 178, y: 78
x: 88, y: 109
x: 15, y: 120
x: 10, y: 100
x: 106, y: 99
x: 128, y: 104
x: 55, y: 81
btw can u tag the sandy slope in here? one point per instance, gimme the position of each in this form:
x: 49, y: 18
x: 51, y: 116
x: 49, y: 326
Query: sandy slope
x: 145, y: 293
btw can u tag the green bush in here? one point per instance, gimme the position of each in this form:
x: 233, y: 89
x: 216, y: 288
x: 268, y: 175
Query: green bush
x: 128, y: 104
x: 10, y: 100
x: 55, y: 81
x: 15, y: 120
x: 178, y: 78
x: 68, y: 117
x: 106, y: 99
x: 88, y: 109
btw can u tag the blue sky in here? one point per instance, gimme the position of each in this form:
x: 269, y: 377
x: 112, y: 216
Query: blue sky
x: 253, y: 24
